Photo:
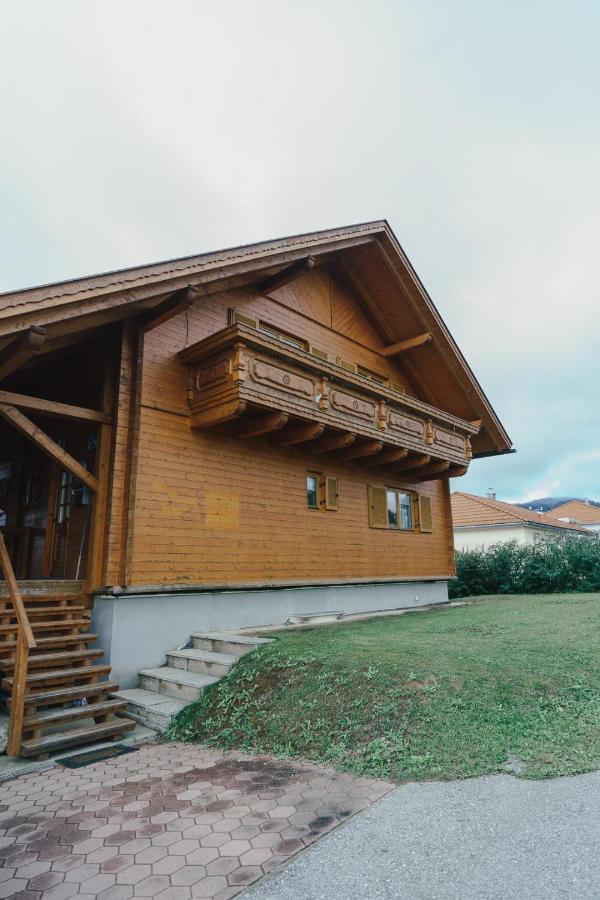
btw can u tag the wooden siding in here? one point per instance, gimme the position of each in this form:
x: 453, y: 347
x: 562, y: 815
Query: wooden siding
x: 212, y: 509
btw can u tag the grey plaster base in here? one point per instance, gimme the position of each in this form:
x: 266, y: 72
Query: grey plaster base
x: 136, y: 630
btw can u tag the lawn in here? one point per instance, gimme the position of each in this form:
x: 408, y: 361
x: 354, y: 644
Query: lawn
x: 508, y: 683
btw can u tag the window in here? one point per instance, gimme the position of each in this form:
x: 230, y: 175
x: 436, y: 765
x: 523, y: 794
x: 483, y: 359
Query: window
x: 312, y: 491
x: 372, y: 376
x: 284, y: 336
x: 321, y: 491
x: 394, y: 509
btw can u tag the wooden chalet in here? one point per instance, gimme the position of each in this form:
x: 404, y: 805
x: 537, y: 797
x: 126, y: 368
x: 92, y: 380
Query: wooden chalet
x: 216, y: 442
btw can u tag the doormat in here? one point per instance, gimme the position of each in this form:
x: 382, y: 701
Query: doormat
x: 94, y: 756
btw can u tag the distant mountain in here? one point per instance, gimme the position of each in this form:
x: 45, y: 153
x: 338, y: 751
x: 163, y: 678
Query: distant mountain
x: 545, y: 504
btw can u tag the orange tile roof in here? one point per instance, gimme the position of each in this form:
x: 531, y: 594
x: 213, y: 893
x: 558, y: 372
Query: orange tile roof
x: 469, y: 509
x: 577, y: 510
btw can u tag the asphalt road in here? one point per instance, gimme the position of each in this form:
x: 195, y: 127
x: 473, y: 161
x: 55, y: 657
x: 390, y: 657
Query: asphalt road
x: 486, y: 838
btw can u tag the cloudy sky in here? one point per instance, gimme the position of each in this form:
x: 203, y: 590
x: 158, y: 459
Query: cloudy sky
x: 139, y: 130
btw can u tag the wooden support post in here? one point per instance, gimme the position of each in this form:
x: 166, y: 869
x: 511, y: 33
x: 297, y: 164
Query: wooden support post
x: 47, y: 445
x: 17, y: 697
x: 99, y: 510
x: 21, y: 349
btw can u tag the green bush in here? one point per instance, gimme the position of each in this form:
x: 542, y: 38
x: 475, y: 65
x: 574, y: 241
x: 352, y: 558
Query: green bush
x: 551, y: 566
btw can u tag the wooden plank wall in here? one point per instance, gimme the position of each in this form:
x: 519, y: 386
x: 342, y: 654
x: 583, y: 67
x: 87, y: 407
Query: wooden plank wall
x: 210, y: 509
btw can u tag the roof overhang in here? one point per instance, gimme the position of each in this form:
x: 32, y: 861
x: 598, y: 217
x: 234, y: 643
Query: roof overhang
x: 368, y: 256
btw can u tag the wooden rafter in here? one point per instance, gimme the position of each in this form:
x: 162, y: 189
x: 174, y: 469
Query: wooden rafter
x: 53, y: 408
x: 298, y: 433
x: 286, y: 275
x: 364, y: 298
x: 402, y: 346
x: 47, y: 445
x: 366, y: 448
x: 415, y: 461
x: 177, y: 302
x: 423, y: 472
x: 261, y: 425
x: 20, y: 350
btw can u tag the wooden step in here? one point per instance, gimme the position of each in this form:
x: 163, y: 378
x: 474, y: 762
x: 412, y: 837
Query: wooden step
x: 55, y: 625
x: 226, y: 642
x: 203, y: 661
x: 70, y: 693
x: 48, y: 676
x: 38, y: 611
x: 44, y: 598
x: 46, y: 718
x: 50, y: 743
x: 57, y: 640
x: 63, y: 657
x: 177, y: 683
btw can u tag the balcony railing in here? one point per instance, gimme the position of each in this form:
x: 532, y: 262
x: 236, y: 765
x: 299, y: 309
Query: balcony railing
x: 253, y: 384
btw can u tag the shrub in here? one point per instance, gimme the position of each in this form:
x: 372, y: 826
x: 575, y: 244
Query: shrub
x: 550, y: 566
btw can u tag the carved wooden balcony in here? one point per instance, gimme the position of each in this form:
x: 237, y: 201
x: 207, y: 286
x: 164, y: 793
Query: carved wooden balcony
x: 250, y: 383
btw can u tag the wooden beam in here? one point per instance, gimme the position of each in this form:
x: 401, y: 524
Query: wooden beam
x: 364, y: 298
x: 401, y: 346
x: 19, y: 350
x: 334, y: 441
x: 261, y: 425
x: 284, y: 276
x: 47, y: 445
x: 388, y: 456
x: 423, y: 472
x: 368, y: 448
x: 416, y: 459
x: 53, y: 408
x: 298, y: 433
x: 172, y: 306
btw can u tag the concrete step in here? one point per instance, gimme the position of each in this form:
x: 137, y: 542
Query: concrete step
x: 148, y: 708
x: 177, y: 683
x: 227, y: 642
x: 204, y: 661
x: 315, y: 618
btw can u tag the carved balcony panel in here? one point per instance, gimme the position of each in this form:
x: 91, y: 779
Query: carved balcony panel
x: 251, y: 383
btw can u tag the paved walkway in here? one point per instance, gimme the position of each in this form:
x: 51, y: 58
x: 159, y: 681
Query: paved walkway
x: 170, y: 821
x: 494, y: 838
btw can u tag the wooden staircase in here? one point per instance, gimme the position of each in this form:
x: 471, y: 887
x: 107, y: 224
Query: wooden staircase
x: 51, y: 680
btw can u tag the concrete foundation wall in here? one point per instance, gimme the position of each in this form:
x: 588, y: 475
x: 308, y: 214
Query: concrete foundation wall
x: 136, y: 630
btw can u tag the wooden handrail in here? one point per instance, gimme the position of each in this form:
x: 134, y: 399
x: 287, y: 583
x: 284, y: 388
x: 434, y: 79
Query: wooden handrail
x: 15, y: 596
x: 25, y: 643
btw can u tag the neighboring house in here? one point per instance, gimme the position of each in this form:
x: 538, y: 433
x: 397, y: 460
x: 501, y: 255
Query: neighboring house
x: 222, y: 440
x: 482, y: 521
x: 580, y: 512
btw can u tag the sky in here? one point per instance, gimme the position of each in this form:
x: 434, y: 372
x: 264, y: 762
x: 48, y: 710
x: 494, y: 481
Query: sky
x: 137, y: 130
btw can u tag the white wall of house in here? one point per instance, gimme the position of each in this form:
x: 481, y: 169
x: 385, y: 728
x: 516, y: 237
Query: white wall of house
x: 470, y: 537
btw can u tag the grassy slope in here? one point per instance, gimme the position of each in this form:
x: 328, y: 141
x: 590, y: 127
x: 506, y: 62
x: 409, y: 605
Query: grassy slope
x: 441, y: 694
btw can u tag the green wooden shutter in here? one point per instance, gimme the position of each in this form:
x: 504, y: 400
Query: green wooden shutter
x: 378, y: 517
x: 331, y: 492
x: 425, y: 515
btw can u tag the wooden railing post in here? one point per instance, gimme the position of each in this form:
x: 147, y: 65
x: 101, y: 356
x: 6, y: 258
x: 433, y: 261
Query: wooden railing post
x: 25, y: 643
x: 17, y: 697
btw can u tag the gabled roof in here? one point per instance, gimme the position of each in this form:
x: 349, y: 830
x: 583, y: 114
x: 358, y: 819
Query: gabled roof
x: 367, y: 256
x: 579, y: 511
x: 471, y: 510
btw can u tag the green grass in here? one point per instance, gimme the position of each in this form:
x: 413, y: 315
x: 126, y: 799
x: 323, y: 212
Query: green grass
x: 450, y: 693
